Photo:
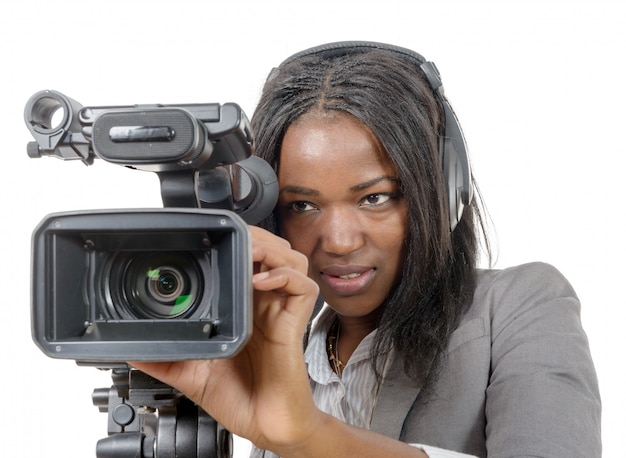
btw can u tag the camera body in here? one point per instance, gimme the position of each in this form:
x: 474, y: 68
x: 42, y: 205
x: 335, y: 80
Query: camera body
x: 162, y: 284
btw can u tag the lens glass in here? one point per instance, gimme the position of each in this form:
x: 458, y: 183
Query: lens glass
x: 161, y: 285
x: 168, y: 286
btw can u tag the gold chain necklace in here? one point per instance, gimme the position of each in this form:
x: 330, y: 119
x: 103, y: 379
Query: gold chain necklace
x: 332, y: 348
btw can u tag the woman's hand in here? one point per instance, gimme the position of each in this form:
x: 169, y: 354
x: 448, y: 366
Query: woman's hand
x: 263, y: 392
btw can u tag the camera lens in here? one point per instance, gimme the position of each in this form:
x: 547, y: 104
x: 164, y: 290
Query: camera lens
x: 162, y: 285
x: 165, y: 283
x: 159, y: 285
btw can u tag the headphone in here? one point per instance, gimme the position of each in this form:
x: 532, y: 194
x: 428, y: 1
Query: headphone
x: 452, y: 147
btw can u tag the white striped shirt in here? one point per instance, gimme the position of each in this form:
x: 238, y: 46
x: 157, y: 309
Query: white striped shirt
x: 352, y: 397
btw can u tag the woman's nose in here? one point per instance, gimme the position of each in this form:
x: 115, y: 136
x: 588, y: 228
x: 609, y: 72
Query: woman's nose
x: 342, y: 232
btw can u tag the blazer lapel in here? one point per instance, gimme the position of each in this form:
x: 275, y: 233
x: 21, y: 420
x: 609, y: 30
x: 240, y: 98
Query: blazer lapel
x: 395, y: 399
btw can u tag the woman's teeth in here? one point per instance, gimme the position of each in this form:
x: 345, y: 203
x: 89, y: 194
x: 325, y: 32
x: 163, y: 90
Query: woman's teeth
x: 349, y: 276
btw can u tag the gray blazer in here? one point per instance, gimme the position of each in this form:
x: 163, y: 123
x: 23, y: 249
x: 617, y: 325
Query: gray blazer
x: 517, y: 379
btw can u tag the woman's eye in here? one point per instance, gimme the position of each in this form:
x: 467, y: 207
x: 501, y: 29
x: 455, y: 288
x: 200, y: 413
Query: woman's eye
x: 300, y: 206
x: 376, y: 199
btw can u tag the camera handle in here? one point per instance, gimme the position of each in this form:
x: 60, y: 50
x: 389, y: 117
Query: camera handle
x: 149, y: 419
x: 179, y: 188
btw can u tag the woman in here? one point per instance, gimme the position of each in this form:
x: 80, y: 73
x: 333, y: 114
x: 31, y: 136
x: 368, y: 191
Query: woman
x: 415, y: 345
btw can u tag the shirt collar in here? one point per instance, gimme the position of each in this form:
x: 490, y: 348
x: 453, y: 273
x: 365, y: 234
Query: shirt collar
x: 315, y: 355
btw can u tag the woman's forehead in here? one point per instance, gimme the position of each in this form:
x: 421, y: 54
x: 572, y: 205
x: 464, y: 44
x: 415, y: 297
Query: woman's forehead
x: 335, y: 136
x: 331, y: 149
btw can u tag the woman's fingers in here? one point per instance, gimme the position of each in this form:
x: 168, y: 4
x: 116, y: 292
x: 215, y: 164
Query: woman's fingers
x: 284, y: 293
x: 273, y: 253
x: 247, y: 392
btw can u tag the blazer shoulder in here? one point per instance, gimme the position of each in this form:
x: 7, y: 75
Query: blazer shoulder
x: 534, y: 282
x: 532, y: 276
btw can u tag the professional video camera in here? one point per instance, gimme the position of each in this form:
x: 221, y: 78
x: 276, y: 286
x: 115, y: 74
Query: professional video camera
x: 161, y: 284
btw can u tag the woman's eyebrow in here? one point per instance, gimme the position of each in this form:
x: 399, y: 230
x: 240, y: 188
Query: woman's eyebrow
x: 300, y: 190
x: 372, y: 182
x: 292, y: 189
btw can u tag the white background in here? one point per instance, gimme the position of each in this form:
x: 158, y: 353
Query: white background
x: 538, y: 87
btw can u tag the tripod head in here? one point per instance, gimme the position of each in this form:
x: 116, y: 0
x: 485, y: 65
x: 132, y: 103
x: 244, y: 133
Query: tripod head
x: 150, y: 419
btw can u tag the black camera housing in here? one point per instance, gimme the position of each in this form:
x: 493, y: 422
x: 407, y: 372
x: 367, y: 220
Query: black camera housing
x: 141, y: 284
x: 110, y: 286
x: 113, y: 286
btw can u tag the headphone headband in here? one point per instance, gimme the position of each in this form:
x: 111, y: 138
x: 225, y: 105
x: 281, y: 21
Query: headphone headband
x: 339, y: 48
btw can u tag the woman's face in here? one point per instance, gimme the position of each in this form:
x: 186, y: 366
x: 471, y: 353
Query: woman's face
x: 340, y: 205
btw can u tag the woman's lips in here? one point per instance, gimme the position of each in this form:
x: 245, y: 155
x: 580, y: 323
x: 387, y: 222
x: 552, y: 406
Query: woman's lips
x: 348, y: 280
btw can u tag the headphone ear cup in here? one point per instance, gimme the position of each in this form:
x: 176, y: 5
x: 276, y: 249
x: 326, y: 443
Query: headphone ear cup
x: 452, y: 152
x: 454, y: 182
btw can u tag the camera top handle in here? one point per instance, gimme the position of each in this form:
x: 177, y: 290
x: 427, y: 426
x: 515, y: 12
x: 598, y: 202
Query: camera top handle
x: 201, y: 152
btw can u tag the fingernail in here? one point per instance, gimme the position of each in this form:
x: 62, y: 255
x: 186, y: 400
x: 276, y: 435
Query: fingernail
x: 260, y: 276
